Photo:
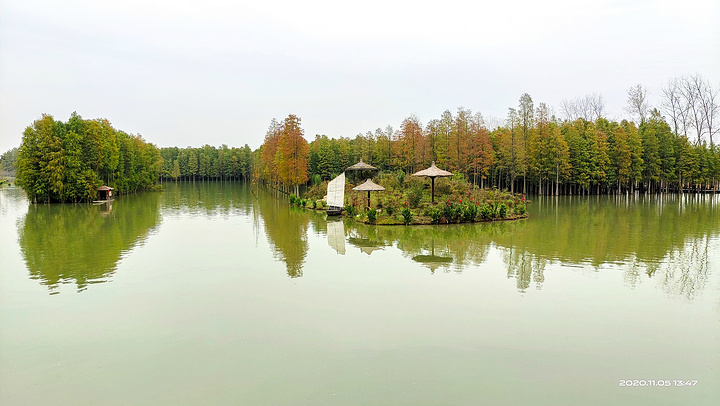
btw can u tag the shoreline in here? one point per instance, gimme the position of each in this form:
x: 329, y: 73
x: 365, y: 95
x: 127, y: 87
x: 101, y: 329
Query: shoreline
x: 418, y: 220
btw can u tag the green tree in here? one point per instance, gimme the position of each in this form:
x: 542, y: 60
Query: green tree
x: 175, y: 174
x: 192, y: 164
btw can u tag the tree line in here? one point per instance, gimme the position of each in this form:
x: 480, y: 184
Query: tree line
x: 67, y: 161
x: 206, y: 163
x: 534, y: 151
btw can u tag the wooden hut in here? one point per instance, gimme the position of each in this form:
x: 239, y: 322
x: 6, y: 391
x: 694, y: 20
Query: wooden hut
x: 104, y: 193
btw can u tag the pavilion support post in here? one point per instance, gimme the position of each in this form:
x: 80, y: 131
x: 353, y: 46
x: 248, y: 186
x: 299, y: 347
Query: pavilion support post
x: 432, y: 189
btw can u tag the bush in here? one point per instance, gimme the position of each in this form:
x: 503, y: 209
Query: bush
x: 390, y: 207
x: 447, y: 211
x: 407, y: 215
x: 372, y: 215
x: 292, y: 198
x: 316, y: 179
x: 520, y: 208
x: 400, y: 176
x: 470, y: 212
x: 486, y: 212
x: 303, y: 202
x: 435, y: 215
x: 452, y: 211
x: 350, y: 210
x: 415, y: 194
x: 502, y: 210
x: 442, y: 187
x: 314, y: 204
x: 457, y: 212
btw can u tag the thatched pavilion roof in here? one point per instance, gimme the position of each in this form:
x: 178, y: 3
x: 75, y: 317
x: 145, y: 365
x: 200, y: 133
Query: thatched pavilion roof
x: 433, y: 172
x: 369, y: 186
x: 361, y: 166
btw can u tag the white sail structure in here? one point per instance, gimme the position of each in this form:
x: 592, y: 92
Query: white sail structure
x: 336, y: 194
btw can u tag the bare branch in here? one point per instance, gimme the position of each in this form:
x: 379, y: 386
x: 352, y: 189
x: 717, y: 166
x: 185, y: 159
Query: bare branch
x: 637, y: 102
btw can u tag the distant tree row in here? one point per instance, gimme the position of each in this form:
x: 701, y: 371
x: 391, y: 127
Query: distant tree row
x: 7, y: 161
x: 533, y: 152
x: 67, y: 162
x: 207, y: 163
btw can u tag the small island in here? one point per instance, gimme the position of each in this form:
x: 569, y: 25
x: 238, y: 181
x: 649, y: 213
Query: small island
x: 411, y: 200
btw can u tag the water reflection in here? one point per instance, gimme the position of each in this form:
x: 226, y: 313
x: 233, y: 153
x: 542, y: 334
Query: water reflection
x: 448, y: 247
x: 82, y: 244
x: 670, y: 241
x: 207, y: 199
x: 366, y: 240
x: 525, y: 268
x: 667, y: 239
x: 431, y: 260
x: 336, y: 235
x: 286, y: 228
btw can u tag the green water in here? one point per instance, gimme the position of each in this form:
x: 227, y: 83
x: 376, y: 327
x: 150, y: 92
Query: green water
x: 212, y: 294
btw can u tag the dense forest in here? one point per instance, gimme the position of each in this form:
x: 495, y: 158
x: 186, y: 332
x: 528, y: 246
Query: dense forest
x: 533, y: 151
x: 206, y: 163
x: 544, y: 156
x: 67, y: 162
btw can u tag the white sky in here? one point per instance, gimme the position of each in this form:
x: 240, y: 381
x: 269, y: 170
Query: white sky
x: 195, y: 72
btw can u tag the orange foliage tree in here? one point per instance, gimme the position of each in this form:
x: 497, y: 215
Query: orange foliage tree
x: 292, y: 153
x: 268, y: 150
x: 412, y: 142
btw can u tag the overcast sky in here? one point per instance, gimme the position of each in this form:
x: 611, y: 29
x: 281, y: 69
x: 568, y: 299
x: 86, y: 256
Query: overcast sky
x: 211, y: 72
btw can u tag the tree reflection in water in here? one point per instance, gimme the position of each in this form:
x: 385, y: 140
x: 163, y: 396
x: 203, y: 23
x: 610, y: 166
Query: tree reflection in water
x: 665, y: 238
x: 286, y: 228
x: 81, y: 243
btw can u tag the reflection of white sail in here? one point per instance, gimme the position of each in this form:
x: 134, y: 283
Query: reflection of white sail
x: 336, y: 194
x: 336, y: 236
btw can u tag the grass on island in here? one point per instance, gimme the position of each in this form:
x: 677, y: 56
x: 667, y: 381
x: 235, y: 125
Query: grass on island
x: 407, y: 200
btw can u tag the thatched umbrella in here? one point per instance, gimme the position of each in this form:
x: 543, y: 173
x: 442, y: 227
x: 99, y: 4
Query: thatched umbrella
x: 433, y: 172
x: 361, y: 166
x: 368, y: 186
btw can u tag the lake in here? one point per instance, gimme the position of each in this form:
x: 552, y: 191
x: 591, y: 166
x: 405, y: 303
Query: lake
x: 211, y: 293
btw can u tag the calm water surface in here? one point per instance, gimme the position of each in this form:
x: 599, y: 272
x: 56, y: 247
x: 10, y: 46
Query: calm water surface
x: 213, y: 294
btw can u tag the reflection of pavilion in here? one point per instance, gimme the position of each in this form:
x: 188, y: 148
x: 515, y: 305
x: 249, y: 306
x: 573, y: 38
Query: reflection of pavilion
x: 106, y: 209
x: 433, y: 261
x: 366, y: 245
x: 369, y: 250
